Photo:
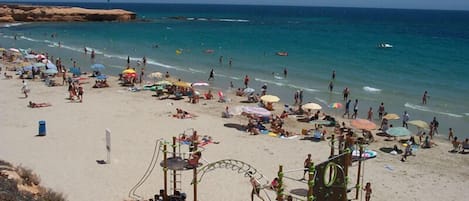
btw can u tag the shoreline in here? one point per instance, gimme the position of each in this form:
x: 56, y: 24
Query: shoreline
x: 65, y: 158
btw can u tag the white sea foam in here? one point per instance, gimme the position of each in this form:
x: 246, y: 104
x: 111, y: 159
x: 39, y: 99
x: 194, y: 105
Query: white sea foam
x: 321, y: 100
x: 371, y: 89
x: 231, y: 20
x: 29, y: 39
x: 196, y: 70
x: 427, y: 109
x: 275, y: 82
x: 13, y: 24
x: 303, y: 88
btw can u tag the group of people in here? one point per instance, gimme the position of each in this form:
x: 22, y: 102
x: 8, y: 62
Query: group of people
x: 75, y: 90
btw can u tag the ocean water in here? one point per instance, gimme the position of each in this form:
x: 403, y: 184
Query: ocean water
x: 430, y: 52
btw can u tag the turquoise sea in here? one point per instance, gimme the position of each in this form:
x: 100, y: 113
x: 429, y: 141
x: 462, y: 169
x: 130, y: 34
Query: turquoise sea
x: 430, y: 52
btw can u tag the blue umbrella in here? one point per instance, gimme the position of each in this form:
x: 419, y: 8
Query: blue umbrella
x: 39, y: 64
x: 98, y: 67
x: 398, y: 131
x: 51, y: 66
x: 51, y: 71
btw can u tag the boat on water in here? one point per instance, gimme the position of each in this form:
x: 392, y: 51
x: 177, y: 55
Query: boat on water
x: 384, y: 45
x: 282, y: 54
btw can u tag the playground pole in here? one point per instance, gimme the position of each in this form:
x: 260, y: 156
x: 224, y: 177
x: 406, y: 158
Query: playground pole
x: 311, y: 170
x: 280, y: 183
x: 174, y: 171
x: 359, y: 171
x: 195, y: 173
x: 165, y: 170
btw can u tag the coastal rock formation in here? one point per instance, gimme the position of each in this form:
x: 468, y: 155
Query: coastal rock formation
x: 33, y: 13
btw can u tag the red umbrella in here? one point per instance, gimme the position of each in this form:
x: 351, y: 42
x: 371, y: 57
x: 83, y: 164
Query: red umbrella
x: 363, y: 124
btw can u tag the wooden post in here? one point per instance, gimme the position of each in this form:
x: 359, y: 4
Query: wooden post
x: 311, y: 170
x: 359, y: 171
x: 331, y: 155
x: 195, y: 172
x: 165, y: 170
x: 174, y: 171
x: 280, y: 183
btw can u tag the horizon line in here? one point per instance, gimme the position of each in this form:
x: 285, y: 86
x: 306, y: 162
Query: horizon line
x: 223, y: 4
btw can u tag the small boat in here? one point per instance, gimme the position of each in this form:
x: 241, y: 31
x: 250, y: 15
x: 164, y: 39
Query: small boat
x: 384, y: 45
x: 282, y: 54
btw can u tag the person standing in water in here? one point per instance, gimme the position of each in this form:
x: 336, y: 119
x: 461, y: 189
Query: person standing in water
x: 220, y: 60
x: 333, y: 75
x: 331, y: 86
x: 246, y: 81
x: 285, y: 72
x: 230, y: 62
x: 381, y: 111
x: 92, y: 54
x: 424, y: 98
x: 355, y: 109
x: 211, y: 76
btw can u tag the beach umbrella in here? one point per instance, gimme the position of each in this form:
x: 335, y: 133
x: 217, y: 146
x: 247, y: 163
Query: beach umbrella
x: 98, y: 67
x: 2, y: 49
x: 270, y: 98
x: 419, y: 124
x: 391, y: 116
x: 39, y: 64
x: 182, y: 84
x: 195, y: 84
x: 40, y: 56
x: 51, y: 66
x: 335, y: 105
x: 128, y: 71
x: 256, y: 110
x: 249, y: 90
x: 163, y: 82
x: 51, y: 71
x: 155, y: 75
x: 14, y: 50
x: 363, y: 124
x: 30, y: 56
x: 311, y: 106
x: 398, y: 131
x: 28, y: 68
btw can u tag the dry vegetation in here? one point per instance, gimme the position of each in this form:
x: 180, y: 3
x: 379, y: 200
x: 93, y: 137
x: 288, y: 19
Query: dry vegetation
x: 22, y: 184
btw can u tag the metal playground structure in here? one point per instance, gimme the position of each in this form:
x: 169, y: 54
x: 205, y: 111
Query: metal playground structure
x: 326, y: 181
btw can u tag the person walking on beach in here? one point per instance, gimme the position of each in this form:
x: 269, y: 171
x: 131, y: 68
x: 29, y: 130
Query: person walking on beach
x: 142, y: 75
x: 211, y: 76
x: 368, y: 191
x: 300, y: 96
x: 370, y: 114
x: 256, y: 187
x: 128, y: 61
x: 331, y: 86
x: 80, y: 93
x: 450, y: 134
x: 434, y: 125
x: 296, y: 96
x: 347, y: 109
x: 346, y: 93
x: 381, y: 111
x: 424, y: 98
x: 306, y: 165
x: 246, y: 81
x: 25, y: 89
x: 355, y: 109
x: 405, y: 119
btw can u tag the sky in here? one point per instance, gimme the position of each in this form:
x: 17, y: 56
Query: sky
x: 410, y: 4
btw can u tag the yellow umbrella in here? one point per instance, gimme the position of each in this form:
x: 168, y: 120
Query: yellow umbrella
x: 2, y: 49
x: 182, y: 84
x: 311, y: 106
x: 419, y: 124
x: 270, y: 98
x: 128, y: 71
x: 391, y: 116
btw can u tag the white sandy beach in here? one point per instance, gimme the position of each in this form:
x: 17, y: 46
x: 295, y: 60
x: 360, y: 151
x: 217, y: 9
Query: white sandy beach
x: 66, y: 157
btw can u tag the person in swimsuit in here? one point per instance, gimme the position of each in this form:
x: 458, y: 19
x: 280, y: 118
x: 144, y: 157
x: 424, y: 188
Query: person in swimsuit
x: 256, y: 187
x: 368, y: 191
x: 381, y: 110
x: 306, y: 165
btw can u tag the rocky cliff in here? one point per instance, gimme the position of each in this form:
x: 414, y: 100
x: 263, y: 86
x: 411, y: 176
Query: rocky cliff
x: 29, y: 13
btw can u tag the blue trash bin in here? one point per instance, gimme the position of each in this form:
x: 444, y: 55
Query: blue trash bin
x: 42, y: 128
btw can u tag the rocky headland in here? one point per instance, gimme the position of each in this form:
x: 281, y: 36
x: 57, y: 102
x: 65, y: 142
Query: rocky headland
x: 35, y: 13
